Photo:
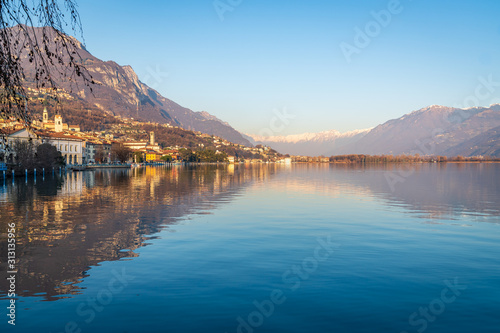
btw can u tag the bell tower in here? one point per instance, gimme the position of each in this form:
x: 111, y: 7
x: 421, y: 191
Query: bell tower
x: 58, y: 126
x: 45, y: 116
x: 152, y: 138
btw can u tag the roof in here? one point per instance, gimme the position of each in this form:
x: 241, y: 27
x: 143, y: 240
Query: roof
x: 97, y: 142
x: 10, y: 131
x: 135, y: 143
x: 7, y: 131
x: 58, y: 135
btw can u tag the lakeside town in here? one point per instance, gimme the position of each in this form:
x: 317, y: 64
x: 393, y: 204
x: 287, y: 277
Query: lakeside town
x: 50, y: 142
x: 119, y: 144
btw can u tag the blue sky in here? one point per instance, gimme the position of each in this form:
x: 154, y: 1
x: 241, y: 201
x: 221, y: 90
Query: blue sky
x: 269, y: 56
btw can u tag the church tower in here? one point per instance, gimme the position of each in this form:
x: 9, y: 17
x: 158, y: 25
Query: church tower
x: 58, y: 127
x: 45, y: 116
x: 152, y: 138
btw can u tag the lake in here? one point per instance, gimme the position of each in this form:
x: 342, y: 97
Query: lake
x: 255, y: 248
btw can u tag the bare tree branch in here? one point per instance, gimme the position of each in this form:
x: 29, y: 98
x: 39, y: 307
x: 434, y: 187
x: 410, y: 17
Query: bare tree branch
x: 50, y: 53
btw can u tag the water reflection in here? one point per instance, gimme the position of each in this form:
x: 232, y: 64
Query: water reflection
x: 430, y: 191
x: 433, y: 191
x: 67, y: 224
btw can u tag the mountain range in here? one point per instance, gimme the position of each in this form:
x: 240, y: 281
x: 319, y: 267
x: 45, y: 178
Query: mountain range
x: 118, y: 91
x: 433, y: 130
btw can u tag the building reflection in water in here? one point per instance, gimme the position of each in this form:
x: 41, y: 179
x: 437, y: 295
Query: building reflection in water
x: 67, y: 224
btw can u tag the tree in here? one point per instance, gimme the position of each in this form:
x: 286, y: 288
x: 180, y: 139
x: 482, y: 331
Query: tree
x: 167, y: 158
x: 48, y: 156
x: 187, y: 155
x: 25, y: 155
x: 120, y: 152
x: 138, y: 157
x: 51, y: 51
x: 32, y: 155
x: 209, y: 155
x: 100, y: 155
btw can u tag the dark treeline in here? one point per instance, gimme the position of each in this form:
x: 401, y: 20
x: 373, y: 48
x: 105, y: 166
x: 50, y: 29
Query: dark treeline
x: 202, y: 155
x: 29, y: 155
x: 355, y: 158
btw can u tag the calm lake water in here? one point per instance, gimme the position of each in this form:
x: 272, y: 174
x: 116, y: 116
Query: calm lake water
x: 256, y: 248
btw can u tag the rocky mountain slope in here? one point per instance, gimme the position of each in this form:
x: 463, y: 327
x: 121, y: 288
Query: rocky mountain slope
x: 486, y: 144
x: 433, y: 130
x: 118, y: 91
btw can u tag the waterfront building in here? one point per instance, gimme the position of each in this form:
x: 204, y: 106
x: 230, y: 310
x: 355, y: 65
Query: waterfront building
x: 152, y: 156
x: 98, y: 151
x: 71, y: 147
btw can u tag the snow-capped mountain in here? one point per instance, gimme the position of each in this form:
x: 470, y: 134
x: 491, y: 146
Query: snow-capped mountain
x: 310, y: 144
x: 432, y: 130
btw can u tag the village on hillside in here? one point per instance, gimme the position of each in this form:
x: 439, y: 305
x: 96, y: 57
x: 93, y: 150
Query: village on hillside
x: 119, y: 144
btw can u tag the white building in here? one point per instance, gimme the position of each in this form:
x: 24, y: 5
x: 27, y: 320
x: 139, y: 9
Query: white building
x: 56, y: 125
x: 138, y: 145
x: 10, y: 137
x: 94, y: 148
x: 135, y: 145
x: 71, y: 147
